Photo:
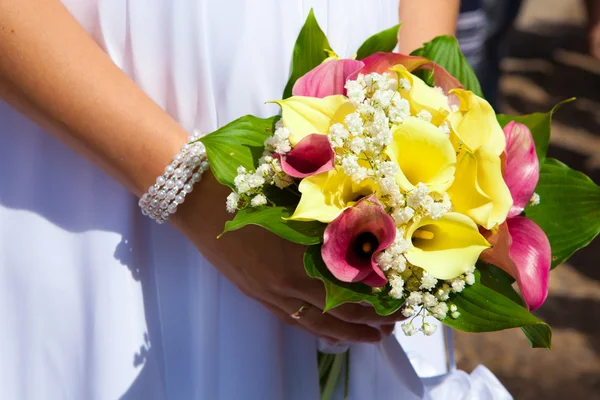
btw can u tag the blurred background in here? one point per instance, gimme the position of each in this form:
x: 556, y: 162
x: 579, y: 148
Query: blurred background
x: 546, y: 56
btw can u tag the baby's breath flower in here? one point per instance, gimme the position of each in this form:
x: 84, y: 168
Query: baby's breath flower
x: 385, y: 260
x: 279, y: 143
x: 338, y: 134
x: 354, y: 123
x: 264, y: 170
x: 535, y: 199
x: 428, y: 329
x: 232, y: 202
x: 405, y: 84
x: 418, y: 196
x: 383, y: 98
x: 429, y: 300
x: 399, y: 264
x: 409, y: 311
x: 402, y: 215
x: 387, y: 168
x: 397, y: 284
x: 357, y: 145
x: 355, y: 92
x: 428, y: 282
x: 240, y: 183
x: 457, y: 285
x: 415, y: 298
x: 255, y: 180
x: 365, y: 109
x: 400, y: 245
x: 443, y: 293
x: 258, y: 200
x: 433, y: 209
x: 469, y: 279
x: 408, y: 329
x: 439, y: 311
x: 425, y: 115
x: 353, y: 169
x: 399, y: 110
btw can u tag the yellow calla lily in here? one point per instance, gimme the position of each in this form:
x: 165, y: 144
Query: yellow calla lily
x: 475, y: 125
x: 479, y: 190
x: 446, y: 247
x: 423, y: 97
x: 424, y: 154
x: 326, y: 195
x: 304, y: 116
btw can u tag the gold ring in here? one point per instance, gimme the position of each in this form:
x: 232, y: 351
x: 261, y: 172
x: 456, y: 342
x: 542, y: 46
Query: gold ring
x: 301, y: 311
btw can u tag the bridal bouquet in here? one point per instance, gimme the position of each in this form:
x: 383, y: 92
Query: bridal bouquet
x: 408, y: 189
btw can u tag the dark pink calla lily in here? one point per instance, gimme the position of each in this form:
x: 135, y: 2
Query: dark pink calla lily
x: 522, y: 167
x: 381, y: 62
x: 327, y: 79
x: 311, y: 155
x: 354, y: 239
x: 521, y: 248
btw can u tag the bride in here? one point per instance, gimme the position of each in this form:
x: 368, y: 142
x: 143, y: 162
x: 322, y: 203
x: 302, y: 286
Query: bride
x: 98, y: 301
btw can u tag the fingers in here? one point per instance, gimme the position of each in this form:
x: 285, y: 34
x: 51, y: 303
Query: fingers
x: 314, y: 320
x: 387, y: 330
x: 283, y: 316
x: 312, y: 291
x: 358, y: 313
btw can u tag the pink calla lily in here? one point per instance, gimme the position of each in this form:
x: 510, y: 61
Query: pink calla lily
x: 381, y: 62
x: 354, y: 239
x: 521, y: 248
x: 522, y: 167
x: 311, y: 155
x: 327, y: 79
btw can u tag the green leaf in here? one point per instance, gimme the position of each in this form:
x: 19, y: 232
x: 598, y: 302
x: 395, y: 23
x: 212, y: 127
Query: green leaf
x: 569, y: 209
x: 338, y: 293
x: 482, y: 309
x: 310, y: 50
x: 539, y: 336
x: 272, y: 218
x: 383, y: 41
x: 539, y: 124
x: 444, y: 50
x: 237, y: 143
x: 495, y: 278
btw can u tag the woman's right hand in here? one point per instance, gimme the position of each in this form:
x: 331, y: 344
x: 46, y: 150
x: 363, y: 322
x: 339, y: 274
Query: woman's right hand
x: 270, y: 270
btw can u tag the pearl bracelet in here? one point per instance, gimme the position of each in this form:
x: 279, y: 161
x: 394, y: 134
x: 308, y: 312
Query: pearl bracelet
x: 170, y: 189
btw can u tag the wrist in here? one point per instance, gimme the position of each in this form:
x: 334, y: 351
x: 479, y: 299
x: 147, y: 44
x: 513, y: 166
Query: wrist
x: 177, y: 181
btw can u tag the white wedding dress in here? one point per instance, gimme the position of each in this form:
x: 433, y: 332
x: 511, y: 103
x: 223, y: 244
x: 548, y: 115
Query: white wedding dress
x: 99, y: 302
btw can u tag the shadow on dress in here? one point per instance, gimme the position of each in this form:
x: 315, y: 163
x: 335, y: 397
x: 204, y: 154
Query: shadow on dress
x: 25, y: 150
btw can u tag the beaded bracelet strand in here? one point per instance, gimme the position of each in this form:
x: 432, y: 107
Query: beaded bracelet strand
x: 170, y: 189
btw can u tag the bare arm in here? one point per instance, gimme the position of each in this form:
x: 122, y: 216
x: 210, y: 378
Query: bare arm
x: 422, y: 20
x: 53, y: 72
